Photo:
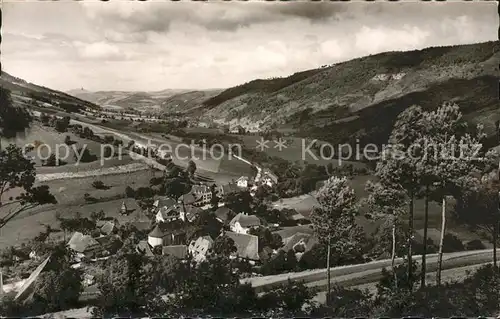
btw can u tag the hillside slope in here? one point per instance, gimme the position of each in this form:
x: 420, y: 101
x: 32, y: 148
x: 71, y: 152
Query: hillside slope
x: 25, y: 93
x: 360, y: 99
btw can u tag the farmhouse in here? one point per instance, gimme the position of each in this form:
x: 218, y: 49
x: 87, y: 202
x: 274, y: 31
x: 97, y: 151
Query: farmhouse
x: 167, y: 214
x: 224, y: 214
x: 247, y: 246
x: 106, y: 227
x: 187, y: 199
x: 84, y: 245
x: 165, y: 234
x: 242, y: 223
x: 190, y: 212
x: 227, y: 189
x: 299, y: 243
x: 164, y: 202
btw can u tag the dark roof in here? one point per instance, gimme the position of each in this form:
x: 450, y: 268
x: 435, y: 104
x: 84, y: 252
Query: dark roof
x: 141, y: 225
x: 247, y: 245
x: 144, y: 247
x: 222, y: 213
x: 157, y: 232
x: 187, y: 199
x: 230, y: 188
x: 178, y: 251
x: 246, y: 220
x: 288, y: 232
x: 165, y: 202
x: 192, y: 212
x: 106, y: 241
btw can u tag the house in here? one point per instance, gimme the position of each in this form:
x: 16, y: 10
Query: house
x: 177, y: 251
x: 165, y: 234
x: 242, y: 223
x: 242, y: 182
x: 268, y: 178
x: 84, y: 245
x: 224, y: 214
x: 143, y: 247
x: 200, y: 247
x: 142, y: 225
x: 106, y: 227
x: 237, y: 129
x: 164, y: 202
x: 300, y: 243
x: 167, y: 214
x: 288, y: 232
x: 202, y: 195
x: 109, y: 244
x: 191, y: 212
x: 247, y: 246
x: 226, y: 189
x: 187, y: 199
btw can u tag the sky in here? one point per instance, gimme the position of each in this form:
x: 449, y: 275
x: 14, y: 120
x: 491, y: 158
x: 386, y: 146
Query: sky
x: 156, y: 45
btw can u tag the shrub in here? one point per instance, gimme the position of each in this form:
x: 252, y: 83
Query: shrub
x: 452, y: 244
x: 475, y: 244
x: 99, y: 185
x: 129, y: 192
x: 346, y: 303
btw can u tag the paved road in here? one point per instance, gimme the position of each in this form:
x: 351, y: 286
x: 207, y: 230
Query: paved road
x: 354, y: 275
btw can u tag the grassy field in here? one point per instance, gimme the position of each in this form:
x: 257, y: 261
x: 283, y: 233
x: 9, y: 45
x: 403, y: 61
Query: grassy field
x: 41, y: 135
x: 293, y: 152
x: 69, y: 195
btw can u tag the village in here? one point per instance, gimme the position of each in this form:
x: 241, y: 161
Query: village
x: 184, y: 228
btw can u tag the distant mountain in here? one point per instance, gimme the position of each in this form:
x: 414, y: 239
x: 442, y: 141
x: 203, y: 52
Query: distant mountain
x: 165, y: 101
x: 28, y: 94
x: 361, y: 98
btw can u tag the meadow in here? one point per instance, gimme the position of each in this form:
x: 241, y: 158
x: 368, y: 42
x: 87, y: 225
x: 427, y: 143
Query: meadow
x: 69, y: 194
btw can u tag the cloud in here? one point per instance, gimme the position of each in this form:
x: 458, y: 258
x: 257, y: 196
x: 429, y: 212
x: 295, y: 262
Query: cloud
x: 151, y: 16
x: 99, y: 50
x: 156, y: 45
